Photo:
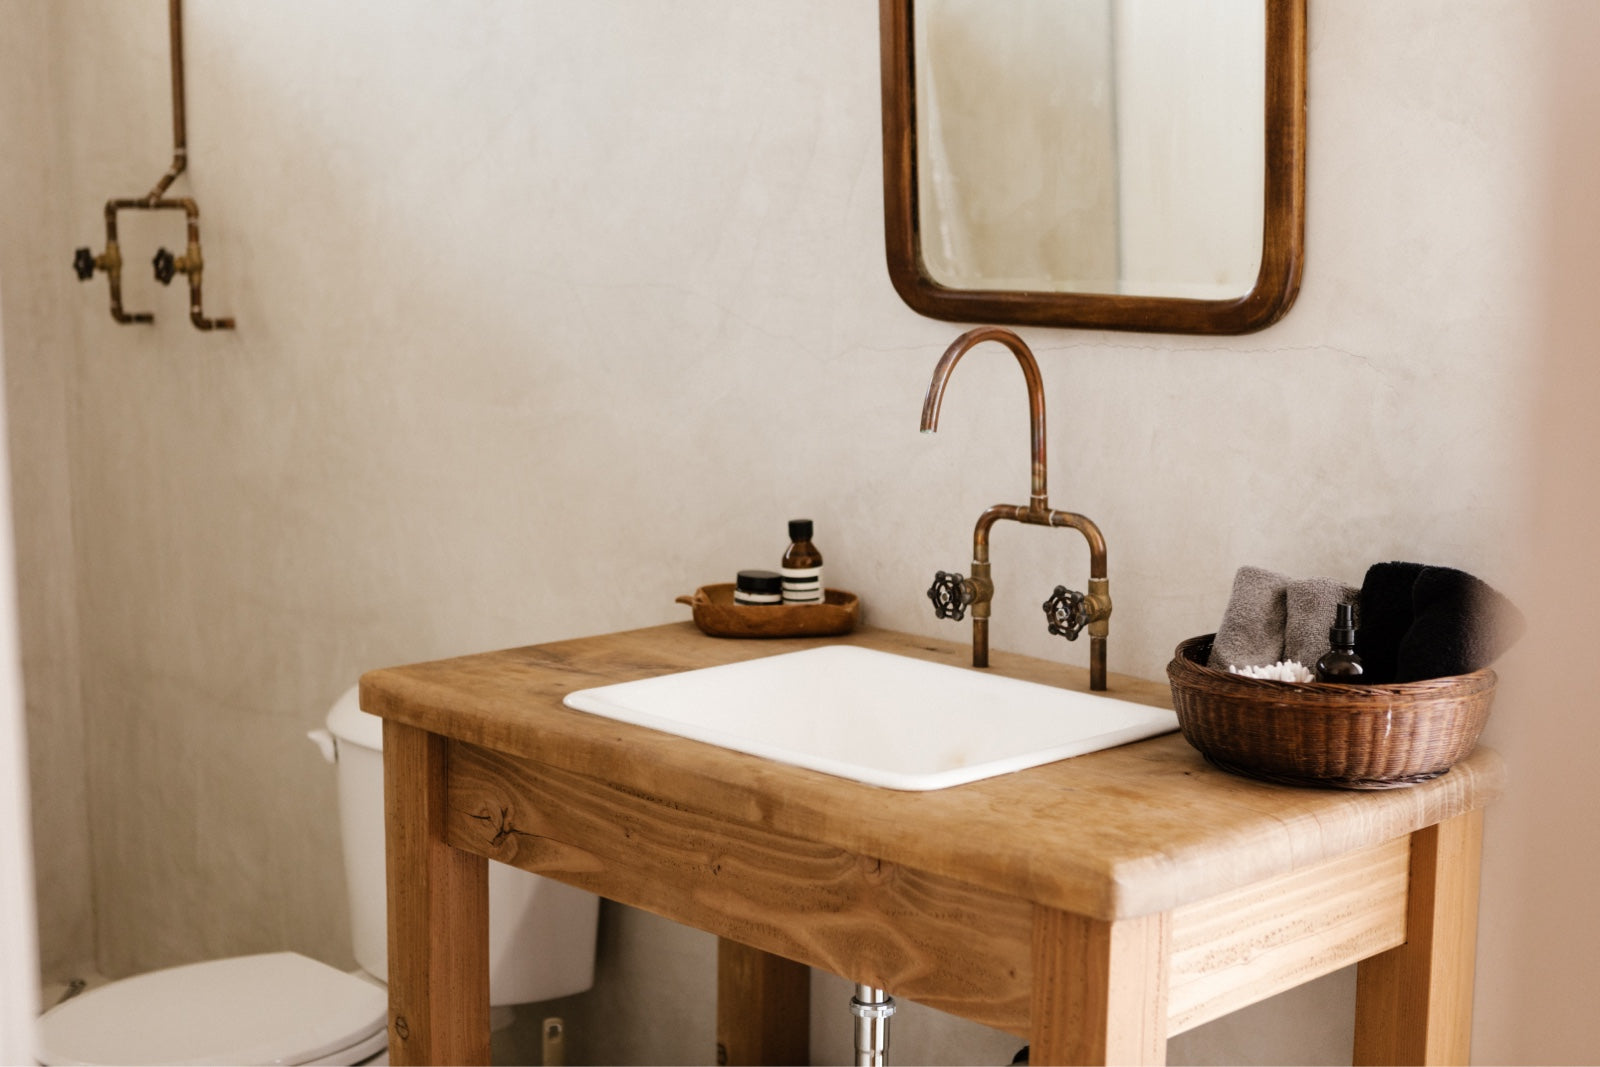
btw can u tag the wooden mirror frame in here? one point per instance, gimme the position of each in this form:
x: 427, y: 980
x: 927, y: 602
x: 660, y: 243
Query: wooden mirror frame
x: 1283, y: 237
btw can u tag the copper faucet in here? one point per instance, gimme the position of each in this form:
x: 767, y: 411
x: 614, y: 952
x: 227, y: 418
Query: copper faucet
x: 1067, y: 612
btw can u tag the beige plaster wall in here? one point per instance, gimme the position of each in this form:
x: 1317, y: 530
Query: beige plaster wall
x: 552, y: 311
x: 39, y: 329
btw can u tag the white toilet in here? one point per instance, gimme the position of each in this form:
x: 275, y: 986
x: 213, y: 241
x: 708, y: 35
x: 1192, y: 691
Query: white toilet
x: 284, y: 1008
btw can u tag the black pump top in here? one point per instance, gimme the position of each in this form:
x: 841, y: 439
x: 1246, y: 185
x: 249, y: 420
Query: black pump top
x: 799, y: 529
x: 1343, y: 634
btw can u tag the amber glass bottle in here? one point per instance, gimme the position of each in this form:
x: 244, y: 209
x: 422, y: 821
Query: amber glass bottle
x: 802, y: 566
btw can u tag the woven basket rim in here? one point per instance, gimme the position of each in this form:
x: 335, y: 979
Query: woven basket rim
x: 1188, y: 667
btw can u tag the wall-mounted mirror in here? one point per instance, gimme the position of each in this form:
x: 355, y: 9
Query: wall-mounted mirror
x: 1108, y: 164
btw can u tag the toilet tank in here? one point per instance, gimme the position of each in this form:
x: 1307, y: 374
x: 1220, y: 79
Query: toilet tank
x: 541, y: 933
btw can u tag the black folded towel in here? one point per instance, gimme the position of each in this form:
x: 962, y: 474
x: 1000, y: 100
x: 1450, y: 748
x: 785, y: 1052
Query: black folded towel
x: 1383, y: 618
x: 1418, y: 622
x: 1460, y: 624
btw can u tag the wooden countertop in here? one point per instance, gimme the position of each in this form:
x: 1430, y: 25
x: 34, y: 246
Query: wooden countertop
x: 1120, y: 833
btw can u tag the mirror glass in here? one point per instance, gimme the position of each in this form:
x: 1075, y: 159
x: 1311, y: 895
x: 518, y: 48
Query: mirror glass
x: 1100, y: 146
x: 1135, y: 164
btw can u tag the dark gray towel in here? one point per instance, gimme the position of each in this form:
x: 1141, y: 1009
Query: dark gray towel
x: 1310, y: 604
x: 1251, y: 631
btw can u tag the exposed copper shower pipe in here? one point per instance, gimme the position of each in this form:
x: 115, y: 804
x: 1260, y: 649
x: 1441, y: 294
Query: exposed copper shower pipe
x: 166, y: 265
x: 180, y: 129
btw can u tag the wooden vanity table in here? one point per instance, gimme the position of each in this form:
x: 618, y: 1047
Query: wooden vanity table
x: 1093, y: 906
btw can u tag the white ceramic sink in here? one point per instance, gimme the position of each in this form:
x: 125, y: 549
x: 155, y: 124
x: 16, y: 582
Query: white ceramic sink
x: 877, y: 717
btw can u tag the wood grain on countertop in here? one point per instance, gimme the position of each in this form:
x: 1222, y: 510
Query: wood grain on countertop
x: 1130, y: 831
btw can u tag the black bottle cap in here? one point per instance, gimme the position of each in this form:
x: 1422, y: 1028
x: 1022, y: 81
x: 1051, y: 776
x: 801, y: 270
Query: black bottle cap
x: 760, y: 582
x: 799, y: 529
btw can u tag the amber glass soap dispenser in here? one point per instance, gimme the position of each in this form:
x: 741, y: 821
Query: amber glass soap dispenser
x: 802, y: 566
x: 1340, y: 663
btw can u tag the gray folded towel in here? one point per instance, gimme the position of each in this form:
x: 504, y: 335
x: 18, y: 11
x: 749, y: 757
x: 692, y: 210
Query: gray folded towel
x: 1252, y: 628
x: 1309, y: 608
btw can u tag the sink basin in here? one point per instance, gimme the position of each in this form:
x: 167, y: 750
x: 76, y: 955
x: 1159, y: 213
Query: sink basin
x: 876, y: 717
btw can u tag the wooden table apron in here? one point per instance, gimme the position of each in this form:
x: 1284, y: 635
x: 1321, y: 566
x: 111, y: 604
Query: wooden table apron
x: 1093, y: 907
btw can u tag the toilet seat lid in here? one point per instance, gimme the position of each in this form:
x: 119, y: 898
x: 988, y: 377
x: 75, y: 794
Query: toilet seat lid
x: 280, y: 1007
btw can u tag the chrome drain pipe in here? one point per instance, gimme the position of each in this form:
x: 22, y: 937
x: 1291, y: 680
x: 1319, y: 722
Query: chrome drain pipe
x: 872, y: 1009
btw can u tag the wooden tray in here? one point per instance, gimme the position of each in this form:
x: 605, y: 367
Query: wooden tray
x: 717, y: 614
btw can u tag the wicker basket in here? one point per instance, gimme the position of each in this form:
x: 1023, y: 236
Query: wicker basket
x: 1321, y: 734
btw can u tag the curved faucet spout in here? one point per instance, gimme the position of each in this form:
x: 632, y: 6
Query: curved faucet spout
x: 1030, y: 371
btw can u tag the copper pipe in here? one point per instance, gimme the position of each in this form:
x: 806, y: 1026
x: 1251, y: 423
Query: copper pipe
x: 180, y: 132
x: 1099, y: 598
x: 1030, y: 372
x: 190, y: 263
x: 1083, y: 524
x: 111, y: 262
x: 184, y: 204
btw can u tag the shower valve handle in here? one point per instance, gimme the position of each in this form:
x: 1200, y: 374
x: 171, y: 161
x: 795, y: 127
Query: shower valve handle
x: 950, y: 593
x: 1066, y: 613
x: 83, y: 262
x: 166, y: 265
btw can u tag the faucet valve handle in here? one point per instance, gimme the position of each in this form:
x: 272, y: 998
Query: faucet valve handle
x: 166, y: 265
x: 1066, y: 612
x: 83, y: 263
x: 951, y: 594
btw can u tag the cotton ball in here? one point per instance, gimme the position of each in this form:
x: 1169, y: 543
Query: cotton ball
x: 1282, y: 671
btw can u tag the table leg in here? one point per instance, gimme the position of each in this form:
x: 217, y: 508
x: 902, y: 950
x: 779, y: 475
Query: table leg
x: 763, y: 1007
x: 438, y: 913
x: 1414, y: 1002
x: 1099, y: 989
